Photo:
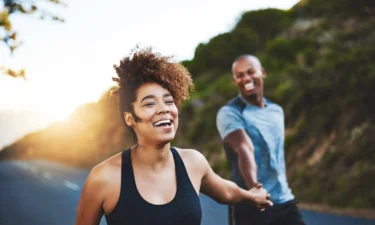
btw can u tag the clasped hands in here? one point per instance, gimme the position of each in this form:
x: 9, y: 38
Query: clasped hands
x: 261, y: 197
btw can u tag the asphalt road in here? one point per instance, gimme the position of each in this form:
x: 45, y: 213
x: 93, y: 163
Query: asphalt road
x: 43, y: 193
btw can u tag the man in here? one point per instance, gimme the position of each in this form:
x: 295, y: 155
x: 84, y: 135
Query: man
x: 252, y: 130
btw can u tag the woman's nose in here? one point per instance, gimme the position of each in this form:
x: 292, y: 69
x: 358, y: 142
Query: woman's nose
x: 163, y: 108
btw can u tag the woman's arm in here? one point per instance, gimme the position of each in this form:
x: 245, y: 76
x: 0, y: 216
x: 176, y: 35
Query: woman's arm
x: 227, y: 192
x: 89, y: 210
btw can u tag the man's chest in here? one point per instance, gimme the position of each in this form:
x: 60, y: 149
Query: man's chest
x: 265, y: 128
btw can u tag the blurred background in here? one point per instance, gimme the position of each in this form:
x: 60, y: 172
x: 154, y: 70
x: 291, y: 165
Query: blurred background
x: 57, y: 119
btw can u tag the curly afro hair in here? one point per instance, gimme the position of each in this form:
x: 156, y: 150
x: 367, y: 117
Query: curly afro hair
x: 144, y: 66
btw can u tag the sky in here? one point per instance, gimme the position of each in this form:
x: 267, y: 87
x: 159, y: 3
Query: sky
x: 71, y: 63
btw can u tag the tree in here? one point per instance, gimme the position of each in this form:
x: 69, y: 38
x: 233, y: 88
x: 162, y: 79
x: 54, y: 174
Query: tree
x: 8, y: 34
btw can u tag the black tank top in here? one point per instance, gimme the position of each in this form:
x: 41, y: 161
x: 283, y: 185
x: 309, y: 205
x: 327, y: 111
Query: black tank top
x: 132, y: 209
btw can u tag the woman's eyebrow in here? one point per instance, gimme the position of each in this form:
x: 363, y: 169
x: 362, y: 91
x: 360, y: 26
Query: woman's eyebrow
x: 153, y: 96
x: 147, y: 97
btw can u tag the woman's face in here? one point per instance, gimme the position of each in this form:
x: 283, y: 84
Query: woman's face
x: 158, y: 114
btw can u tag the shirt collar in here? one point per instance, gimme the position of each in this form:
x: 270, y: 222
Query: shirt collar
x: 265, y: 100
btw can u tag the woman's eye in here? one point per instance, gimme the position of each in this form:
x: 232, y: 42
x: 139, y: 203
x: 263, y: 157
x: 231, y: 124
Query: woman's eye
x: 149, y: 104
x: 169, y: 101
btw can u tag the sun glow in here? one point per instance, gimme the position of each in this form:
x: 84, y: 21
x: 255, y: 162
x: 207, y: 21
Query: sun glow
x: 55, y: 97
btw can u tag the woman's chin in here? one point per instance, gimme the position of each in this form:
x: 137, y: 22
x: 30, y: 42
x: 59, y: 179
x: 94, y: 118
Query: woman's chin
x: 165, y: 139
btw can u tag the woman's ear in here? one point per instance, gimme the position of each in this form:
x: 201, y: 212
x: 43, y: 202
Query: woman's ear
x: 129, y: 120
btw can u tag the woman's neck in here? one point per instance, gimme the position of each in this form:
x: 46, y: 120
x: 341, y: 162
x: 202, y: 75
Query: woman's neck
x: 152, y: 156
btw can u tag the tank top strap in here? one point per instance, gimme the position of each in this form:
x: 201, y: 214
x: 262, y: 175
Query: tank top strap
x: 127, y: 178
x: 180, y: 167
x: 125, y: 163
x: 183, y: 180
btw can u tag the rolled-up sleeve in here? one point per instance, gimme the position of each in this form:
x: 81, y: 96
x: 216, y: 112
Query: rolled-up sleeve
x: 228, y: 120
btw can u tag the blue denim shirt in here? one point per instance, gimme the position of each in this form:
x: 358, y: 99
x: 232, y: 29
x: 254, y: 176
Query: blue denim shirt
x: 265, y: 127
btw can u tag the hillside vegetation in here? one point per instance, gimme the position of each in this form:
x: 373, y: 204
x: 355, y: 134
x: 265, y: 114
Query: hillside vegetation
x: 319, y: 61
x: 92, y: 133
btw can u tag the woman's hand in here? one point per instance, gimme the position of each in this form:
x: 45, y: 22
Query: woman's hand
x: 260, y: 197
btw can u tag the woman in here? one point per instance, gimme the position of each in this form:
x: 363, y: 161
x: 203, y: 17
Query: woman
x: 152, y: 182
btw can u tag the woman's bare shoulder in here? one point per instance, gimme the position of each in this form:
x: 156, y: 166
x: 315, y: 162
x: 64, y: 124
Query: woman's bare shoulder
x: 192, y: 156
x: 100, y: 184
x: 106, y: 171
x: 189, y: 153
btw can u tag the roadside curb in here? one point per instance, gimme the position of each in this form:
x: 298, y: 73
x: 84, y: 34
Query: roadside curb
x: 360, y: 213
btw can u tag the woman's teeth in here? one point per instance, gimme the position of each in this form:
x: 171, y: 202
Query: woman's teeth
x: 163, y: 122
x: 249, y: 86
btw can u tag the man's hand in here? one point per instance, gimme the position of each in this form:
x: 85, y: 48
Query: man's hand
x: 261, y: 197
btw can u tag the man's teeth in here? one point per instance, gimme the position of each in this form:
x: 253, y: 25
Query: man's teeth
x: 249, y: 86
x: 161, y: 122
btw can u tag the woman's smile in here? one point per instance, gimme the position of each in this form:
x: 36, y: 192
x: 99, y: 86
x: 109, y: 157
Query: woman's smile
x: 164, y: 124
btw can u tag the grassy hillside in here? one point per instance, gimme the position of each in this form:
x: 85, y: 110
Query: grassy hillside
x: 320, y: 68
x: 319, y: 61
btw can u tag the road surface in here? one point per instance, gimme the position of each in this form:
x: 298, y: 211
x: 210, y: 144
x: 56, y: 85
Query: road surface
x: 44, y: 193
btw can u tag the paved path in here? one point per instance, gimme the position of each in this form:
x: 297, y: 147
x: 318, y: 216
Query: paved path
x: 43, y: 193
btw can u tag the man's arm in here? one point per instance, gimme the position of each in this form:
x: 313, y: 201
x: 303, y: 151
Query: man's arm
x: 239, y: 142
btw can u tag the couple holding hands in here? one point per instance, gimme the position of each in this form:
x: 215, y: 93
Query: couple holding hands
x: 153, y: 183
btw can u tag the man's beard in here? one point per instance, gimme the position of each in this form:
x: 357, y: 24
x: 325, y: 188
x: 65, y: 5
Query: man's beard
x: 252, y: 96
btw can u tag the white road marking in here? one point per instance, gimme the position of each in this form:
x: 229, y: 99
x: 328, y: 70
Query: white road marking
x: 25, y: 166
x: 46, y: 175
x: 33, y: 169
x: 20, y: 164
x: 71, y: 185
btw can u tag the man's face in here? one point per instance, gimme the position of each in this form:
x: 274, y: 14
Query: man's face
x: 248, y: 76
